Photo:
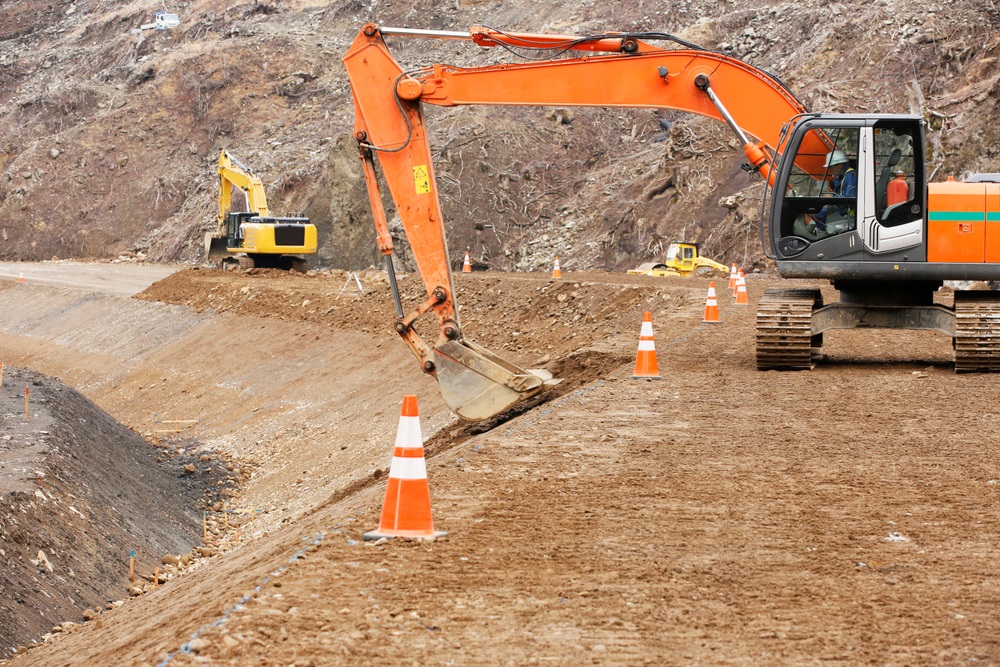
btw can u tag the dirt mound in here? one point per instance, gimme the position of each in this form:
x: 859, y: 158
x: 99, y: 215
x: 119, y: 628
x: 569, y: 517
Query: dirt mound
x: 540, y: 321
x: 78, y: 493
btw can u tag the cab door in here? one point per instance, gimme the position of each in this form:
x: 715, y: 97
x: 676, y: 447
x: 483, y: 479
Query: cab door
x: 895, y: 147
x: 687, y: 258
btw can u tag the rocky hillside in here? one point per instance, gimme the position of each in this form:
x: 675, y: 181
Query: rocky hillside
x: 108, y: 139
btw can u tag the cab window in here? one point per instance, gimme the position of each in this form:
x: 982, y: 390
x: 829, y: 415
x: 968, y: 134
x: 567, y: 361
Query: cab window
x: 821, y: 200
x: 895, y: 171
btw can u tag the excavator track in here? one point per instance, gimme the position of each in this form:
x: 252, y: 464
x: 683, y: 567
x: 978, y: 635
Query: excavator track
x: 977, y: 332
x: 784, y: 329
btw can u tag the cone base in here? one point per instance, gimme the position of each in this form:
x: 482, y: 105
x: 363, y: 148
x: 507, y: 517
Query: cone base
x: 409, y: 534
x: 712, y: 321
x: 645, y: 377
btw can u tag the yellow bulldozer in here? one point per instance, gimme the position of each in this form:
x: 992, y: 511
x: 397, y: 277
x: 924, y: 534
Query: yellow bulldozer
x: 682, y: 260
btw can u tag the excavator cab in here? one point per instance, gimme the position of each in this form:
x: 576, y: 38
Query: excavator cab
x: 814, y: 222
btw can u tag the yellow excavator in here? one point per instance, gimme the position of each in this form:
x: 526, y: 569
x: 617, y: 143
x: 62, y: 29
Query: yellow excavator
x: 247, y: 235
x: 682, y: 260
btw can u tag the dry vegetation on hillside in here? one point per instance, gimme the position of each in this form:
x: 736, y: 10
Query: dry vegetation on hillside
x: 108, y: 139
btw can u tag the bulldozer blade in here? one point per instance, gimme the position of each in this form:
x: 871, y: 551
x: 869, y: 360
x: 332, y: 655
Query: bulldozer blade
x: 476, y: 384
x: 215, y: 247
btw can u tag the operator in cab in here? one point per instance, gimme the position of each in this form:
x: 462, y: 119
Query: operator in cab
x: 833, y: 218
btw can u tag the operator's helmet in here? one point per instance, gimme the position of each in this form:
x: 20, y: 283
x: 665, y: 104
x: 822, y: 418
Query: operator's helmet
x: 835, y: 157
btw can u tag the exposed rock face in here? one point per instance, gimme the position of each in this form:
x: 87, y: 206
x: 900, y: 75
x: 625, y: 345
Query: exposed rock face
x: 108, y: 138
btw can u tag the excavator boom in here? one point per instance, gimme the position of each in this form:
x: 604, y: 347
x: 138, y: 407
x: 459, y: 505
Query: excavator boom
x: 232, y: 173
x: 627, y: 72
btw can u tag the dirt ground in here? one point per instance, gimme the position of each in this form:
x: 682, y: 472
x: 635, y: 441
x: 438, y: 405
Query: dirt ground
x: 720, y: 516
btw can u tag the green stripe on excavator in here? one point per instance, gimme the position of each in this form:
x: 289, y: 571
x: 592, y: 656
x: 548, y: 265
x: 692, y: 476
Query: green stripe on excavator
x: 957, y: 216
x: 993, y: 216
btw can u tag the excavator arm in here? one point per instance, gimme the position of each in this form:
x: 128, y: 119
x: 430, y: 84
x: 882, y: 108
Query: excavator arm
x: 627, y: 72
x: 232, y: 173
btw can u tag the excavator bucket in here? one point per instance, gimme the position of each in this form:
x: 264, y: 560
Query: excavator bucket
x: 215, y: 246
x: 476, y: 384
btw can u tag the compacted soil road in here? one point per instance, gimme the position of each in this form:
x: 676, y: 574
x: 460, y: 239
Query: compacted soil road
x: 719, y: 516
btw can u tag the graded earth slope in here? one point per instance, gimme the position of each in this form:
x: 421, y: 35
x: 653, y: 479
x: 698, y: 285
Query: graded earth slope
x: 720, y: 516
x: 79, y: 495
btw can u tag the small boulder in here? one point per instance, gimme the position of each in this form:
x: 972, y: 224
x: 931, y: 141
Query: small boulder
x: 198, y: 644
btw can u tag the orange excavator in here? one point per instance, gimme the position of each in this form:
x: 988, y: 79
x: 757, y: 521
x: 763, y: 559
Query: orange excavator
x: 826, y: 214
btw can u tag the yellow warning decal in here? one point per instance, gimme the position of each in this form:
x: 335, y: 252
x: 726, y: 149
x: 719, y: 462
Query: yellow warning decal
x: 420, y: 179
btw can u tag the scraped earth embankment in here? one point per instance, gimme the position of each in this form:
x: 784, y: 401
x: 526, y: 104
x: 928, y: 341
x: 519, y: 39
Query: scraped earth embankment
x: 81, y: 495
x: 720, y: 516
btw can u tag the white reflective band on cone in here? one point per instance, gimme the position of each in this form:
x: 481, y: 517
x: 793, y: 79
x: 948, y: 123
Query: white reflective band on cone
x: 408, y: 434
x: 647, y: 330
x: 402, y: 468
x: 647, y: 346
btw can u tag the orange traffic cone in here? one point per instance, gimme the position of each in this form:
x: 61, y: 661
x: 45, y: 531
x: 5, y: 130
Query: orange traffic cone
x: 732, y: 279
x: 406, y: 511
x: 711, y: 305
x: 556, y: 272
x: 645, y: 361
x: 739, y: 274
x: 467, y: 265
x: 20, y: 277
x: 741, y: 291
